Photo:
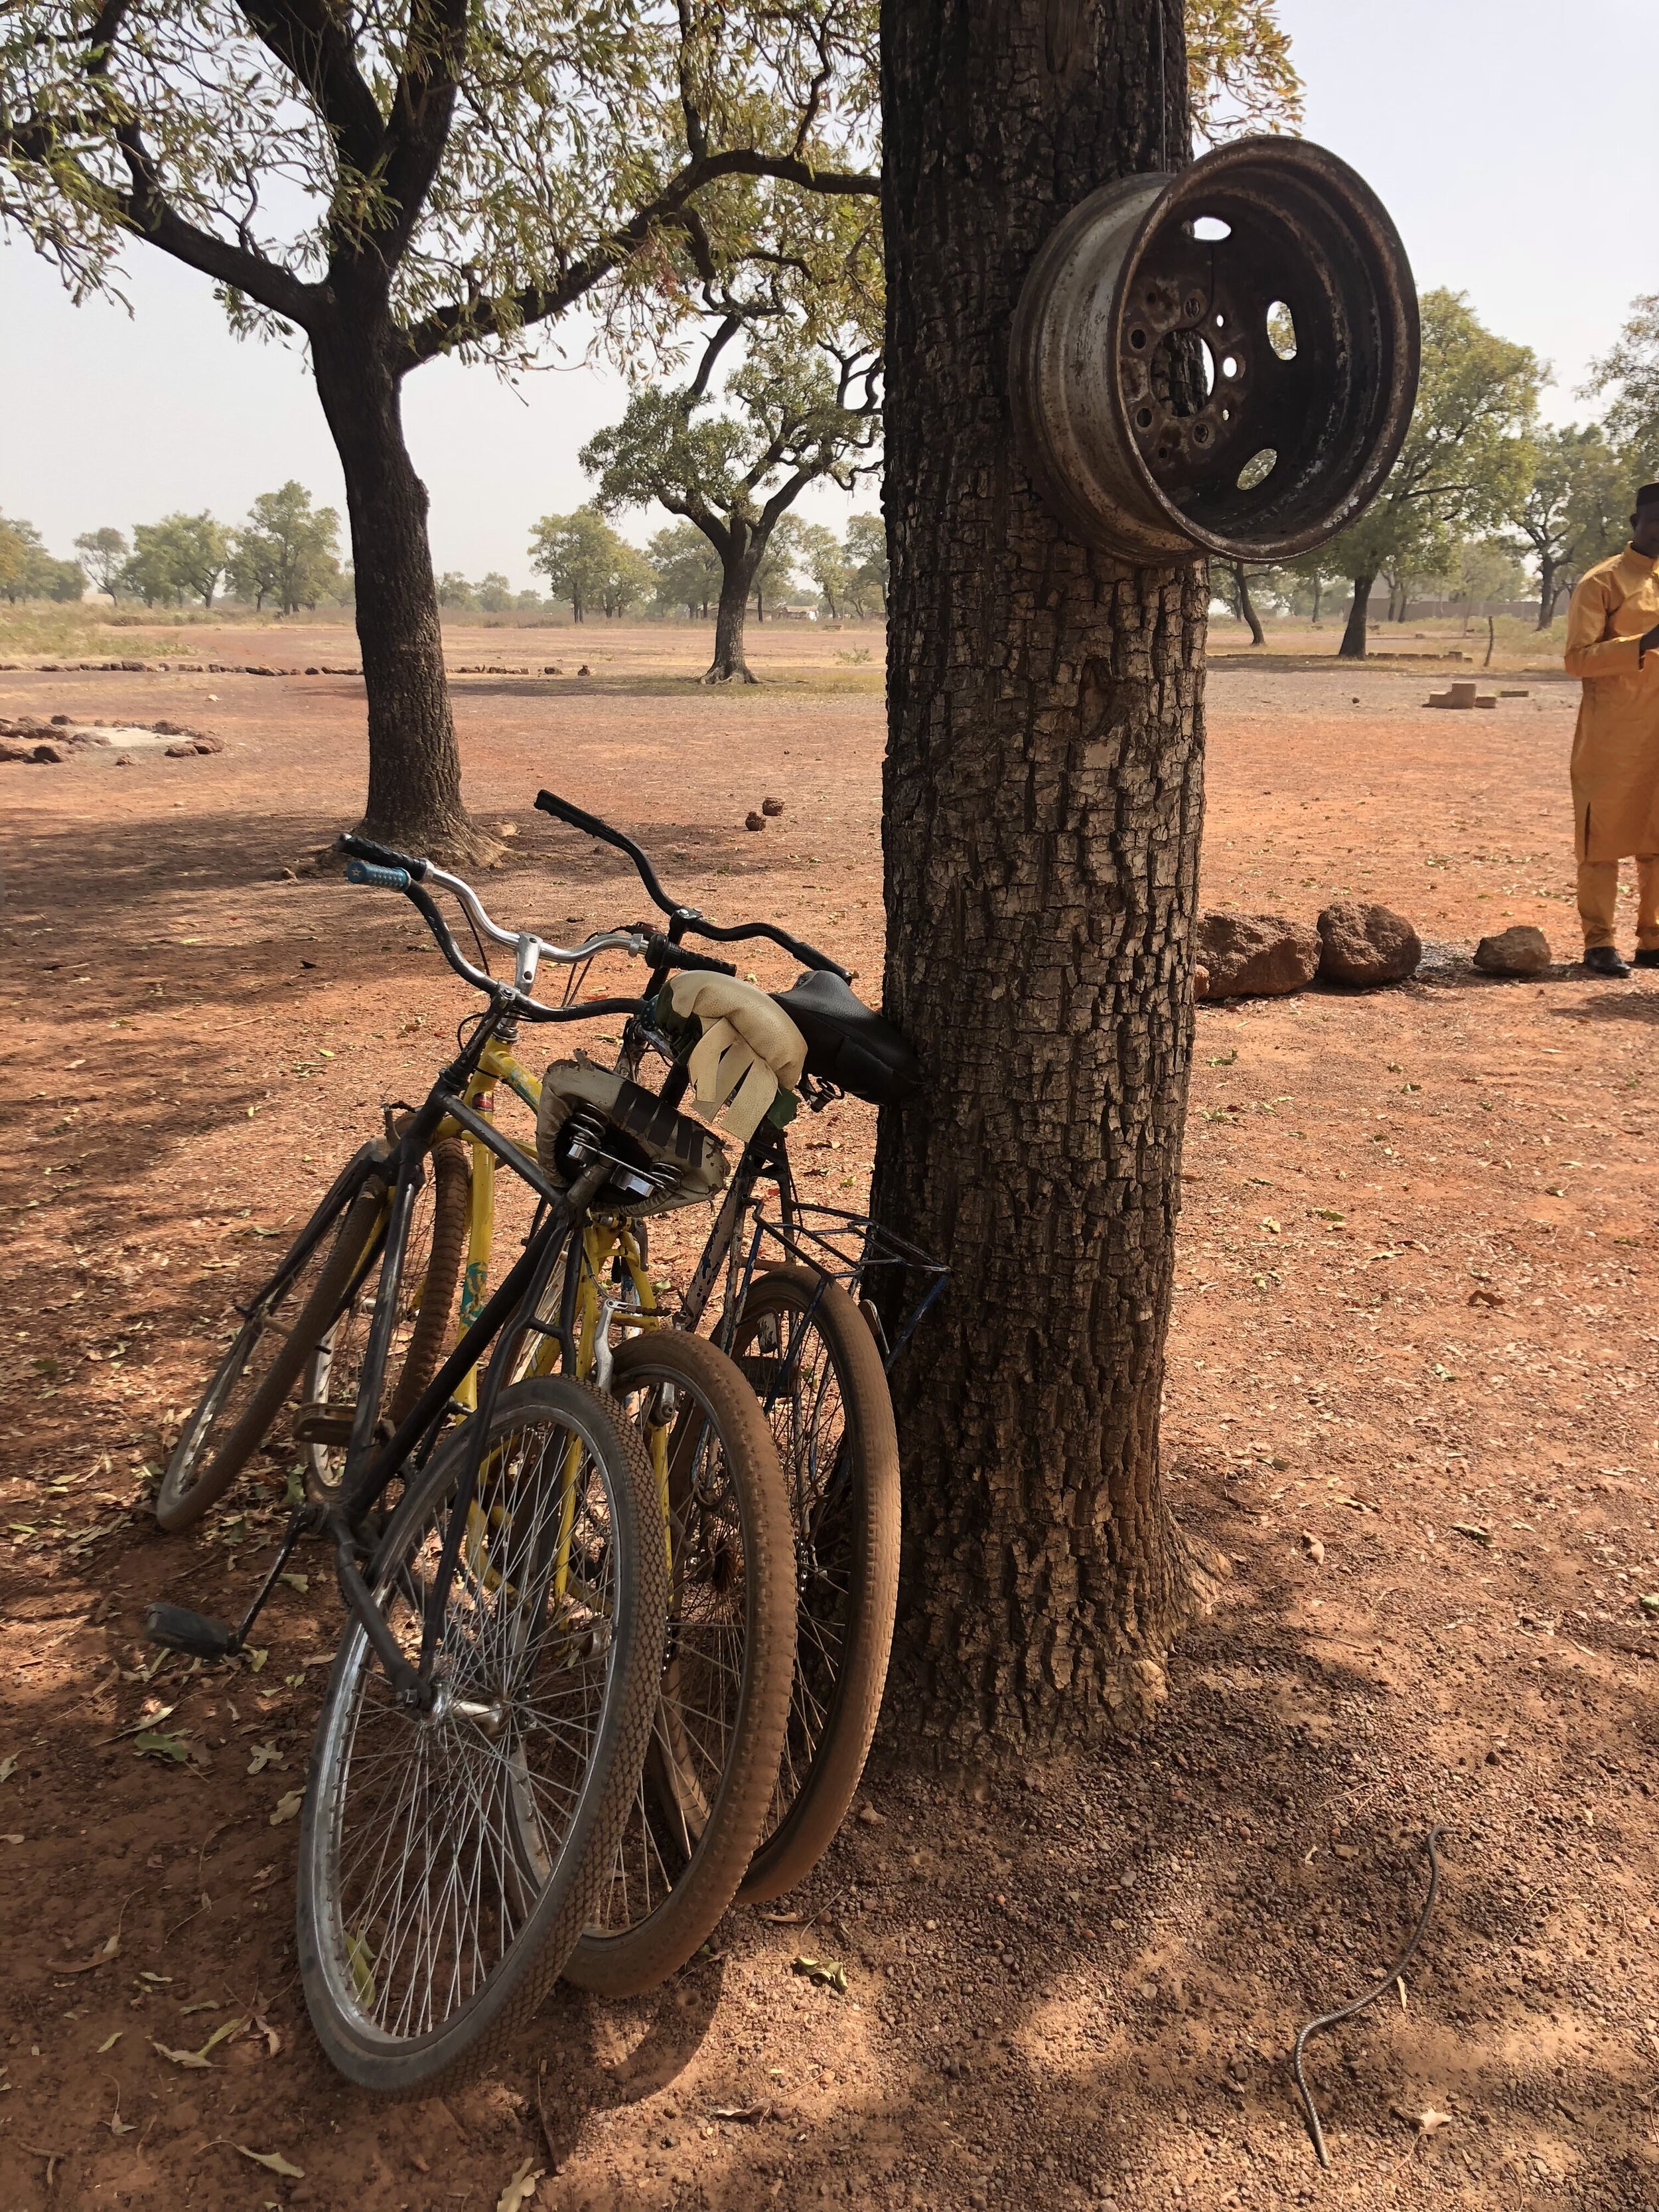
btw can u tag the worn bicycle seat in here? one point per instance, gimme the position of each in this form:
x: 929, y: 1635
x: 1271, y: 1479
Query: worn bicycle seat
x: 849, y: 1043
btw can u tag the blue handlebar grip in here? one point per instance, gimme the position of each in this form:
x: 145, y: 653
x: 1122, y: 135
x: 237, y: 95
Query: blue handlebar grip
x: 385, y: 879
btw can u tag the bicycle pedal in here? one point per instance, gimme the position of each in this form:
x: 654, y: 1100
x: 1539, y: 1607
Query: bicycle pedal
x: 175, y: 1628
x: 321, y: 1424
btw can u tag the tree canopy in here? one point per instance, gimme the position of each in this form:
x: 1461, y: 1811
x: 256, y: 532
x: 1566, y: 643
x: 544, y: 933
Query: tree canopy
x: 1629, y: 370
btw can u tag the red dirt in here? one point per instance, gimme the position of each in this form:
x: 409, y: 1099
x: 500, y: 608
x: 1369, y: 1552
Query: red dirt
x: 1410, y: 1332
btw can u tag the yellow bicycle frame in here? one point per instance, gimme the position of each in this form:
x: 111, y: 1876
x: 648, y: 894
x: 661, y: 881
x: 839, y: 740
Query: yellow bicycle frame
x: 601, y: 1242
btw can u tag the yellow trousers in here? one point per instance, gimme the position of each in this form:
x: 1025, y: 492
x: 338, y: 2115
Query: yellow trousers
x: 1598, y: 894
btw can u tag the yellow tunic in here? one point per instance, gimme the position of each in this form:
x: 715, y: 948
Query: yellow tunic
x: 1615, y: 748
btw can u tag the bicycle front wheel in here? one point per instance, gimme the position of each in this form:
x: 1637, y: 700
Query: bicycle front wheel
x: 807, y: 1353
x: 285, y: 1320
x: 724, y: 1699
x: 450, y: 1859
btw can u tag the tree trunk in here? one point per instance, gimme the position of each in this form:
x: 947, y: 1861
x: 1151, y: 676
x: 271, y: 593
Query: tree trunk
x: 740, y: 557
x: 1318, y: 591
x: 1546, y: 590
x: 414, y: 767
x: 1352, y: 646
x: 1044, y: 800
x: 1247, y: 605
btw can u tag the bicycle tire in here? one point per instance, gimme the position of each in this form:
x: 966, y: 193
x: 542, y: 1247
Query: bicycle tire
x: 196, y: 1477
x: 423, y: 1334
x: 602, y: 1639
x: 706, y: 1784
x: 847, y: 1597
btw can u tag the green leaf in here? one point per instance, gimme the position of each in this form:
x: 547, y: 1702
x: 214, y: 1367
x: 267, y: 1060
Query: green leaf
x: 153, y: 1743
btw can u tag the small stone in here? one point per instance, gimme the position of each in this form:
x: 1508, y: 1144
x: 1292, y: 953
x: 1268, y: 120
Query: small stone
x: 584, y: 670
x: 870, y: 1817
x: 124, y: 760
x: 1365, y: 945
x: 753, y: 821
x: 1519, y: 950
x: 1201, y: 982
x: 1313, y: 1547
x: 48, y: 755
x: 773, y: 806
x: 62, y: 721
x: 1256, y: 955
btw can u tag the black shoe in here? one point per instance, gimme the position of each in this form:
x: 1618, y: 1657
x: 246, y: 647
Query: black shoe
x: 1604, y: 960
x: 1648, y: 956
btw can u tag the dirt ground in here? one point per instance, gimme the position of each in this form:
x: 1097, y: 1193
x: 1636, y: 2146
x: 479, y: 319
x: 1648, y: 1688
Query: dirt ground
x: 1410, y: 1395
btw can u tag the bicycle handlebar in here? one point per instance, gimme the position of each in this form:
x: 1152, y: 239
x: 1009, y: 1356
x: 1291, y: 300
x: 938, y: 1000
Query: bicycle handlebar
x: 687, y: 917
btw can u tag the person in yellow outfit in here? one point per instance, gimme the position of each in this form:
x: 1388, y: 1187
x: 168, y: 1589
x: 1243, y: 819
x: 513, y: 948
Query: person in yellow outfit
x: 1612, y: 644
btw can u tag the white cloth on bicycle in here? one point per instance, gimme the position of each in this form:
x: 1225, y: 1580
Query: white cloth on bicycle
x: 748, y: 1047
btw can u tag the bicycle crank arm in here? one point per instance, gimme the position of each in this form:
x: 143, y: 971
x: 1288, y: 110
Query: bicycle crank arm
x: 176, y: 1628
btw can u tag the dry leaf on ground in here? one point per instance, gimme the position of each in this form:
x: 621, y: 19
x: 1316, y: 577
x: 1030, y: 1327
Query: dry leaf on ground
x: 521, y: 2189
x: 830, y: 1973
x: 288, y: 1805
x: 273, y: 2161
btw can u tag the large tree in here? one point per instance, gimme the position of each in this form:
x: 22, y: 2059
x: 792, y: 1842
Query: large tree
x: 287, y: 551
x: 1630, y: 372
x: 1573, y: 512
x: 1466, y: 459
x: 733, y: 464
x: 1043, y: 798
x: 416, y: 178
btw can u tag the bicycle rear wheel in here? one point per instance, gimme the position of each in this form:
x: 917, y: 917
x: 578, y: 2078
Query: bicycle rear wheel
x: 723, y: 1703
x: 286, y: 1318
x: 449, y: 1860
x: 807, y: 1353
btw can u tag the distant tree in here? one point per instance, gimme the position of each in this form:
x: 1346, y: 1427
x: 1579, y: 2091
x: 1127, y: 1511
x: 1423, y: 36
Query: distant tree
x: 1630, y: 371
x: 867, y: 562
x: 1573, y: 512
x: 1465, y: 461
x: 795, y: 414
x: 774, y: 572
x: 495, y: 593
x: 422, y: 178
x: 687, y: 568
x: 103, y: 555
x: 181, y: 556
x: 287, y: 550
x: 529, y: 603
x: 1243, y: 605
x: 454, y: 591
x: 579, y: 555
x: 1483, y: 573
x: 28, y: 571
x: 150, y: 574
x: 824, y: 560
x: 628, y: 579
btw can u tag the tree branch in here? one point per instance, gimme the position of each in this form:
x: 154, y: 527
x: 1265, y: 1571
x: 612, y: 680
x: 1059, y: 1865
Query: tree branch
x: 146, y: 210
x: 711, y: 353
x: 459, y: 325
x: 422, y: 111
x: 305, y: 37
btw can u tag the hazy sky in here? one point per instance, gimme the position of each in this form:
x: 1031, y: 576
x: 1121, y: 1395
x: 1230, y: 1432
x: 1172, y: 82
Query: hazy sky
x: 1510, y: 149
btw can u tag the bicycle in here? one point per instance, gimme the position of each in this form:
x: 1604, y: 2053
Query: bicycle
x: 492, y: 1703
x: 796, y: 1316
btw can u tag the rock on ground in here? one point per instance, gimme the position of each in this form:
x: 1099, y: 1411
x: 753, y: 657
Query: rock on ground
x: 1249, y: 956
x: 1520, y: 951
x: 1366, y: 945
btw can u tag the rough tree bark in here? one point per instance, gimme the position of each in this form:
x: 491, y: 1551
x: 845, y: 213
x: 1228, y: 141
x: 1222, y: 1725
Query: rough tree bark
x: 1042, y: 807
x: 414, y: 767
x: 1352, y: 646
